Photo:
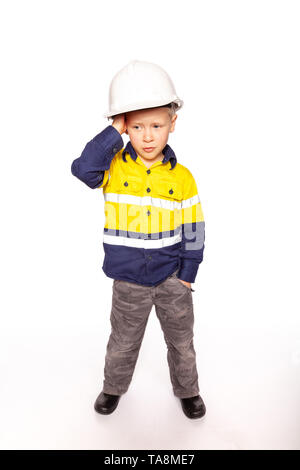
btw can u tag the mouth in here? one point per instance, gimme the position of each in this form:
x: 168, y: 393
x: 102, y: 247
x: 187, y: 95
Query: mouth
x: 148, y: 149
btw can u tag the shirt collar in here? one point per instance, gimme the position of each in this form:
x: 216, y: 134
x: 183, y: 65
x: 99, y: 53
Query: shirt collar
x: 168, y: 153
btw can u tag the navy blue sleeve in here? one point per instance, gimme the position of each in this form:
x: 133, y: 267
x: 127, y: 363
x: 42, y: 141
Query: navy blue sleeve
x: 193, y: 230
x: 97, y: 157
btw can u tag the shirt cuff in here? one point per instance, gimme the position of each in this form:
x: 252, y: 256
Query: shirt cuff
x: 110, y: 140
x: 188, y: 270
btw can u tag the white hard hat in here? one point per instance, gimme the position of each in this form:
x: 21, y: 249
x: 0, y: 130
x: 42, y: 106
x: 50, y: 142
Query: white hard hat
x: 140, y: 85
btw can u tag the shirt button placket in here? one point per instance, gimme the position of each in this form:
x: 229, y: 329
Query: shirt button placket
x: 148, y: 219
x: 148, y: 211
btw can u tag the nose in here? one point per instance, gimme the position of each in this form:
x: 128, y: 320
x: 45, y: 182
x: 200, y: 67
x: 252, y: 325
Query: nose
x: 147, y: 136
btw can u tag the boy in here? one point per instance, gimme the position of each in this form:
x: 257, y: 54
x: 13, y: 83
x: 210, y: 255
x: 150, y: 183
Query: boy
x: 153, y: 235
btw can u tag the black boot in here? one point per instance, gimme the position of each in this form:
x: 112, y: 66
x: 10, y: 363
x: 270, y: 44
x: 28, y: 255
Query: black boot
x: 106, y: 404
x: 193, y: 407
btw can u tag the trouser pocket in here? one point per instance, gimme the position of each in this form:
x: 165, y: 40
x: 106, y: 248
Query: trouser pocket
x: 174, y: 275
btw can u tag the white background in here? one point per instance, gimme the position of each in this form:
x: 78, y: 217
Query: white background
x: 235, y: 64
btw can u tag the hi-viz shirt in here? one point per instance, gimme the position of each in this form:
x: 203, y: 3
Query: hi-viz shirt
x: 154, y: 222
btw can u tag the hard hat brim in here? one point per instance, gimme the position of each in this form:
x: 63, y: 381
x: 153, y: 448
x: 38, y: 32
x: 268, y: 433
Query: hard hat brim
x: 145, y: 105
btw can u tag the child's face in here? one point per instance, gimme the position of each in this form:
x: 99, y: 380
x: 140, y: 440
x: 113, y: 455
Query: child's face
x: 149, y: 128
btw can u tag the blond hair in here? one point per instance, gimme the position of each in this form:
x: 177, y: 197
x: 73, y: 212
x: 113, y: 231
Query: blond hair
x: 172, y: 108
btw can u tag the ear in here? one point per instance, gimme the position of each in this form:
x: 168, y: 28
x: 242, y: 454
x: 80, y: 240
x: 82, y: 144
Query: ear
x: 173, y: 123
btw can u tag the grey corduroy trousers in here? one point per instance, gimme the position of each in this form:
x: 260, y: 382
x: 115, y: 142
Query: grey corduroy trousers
x: 131, y: 306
